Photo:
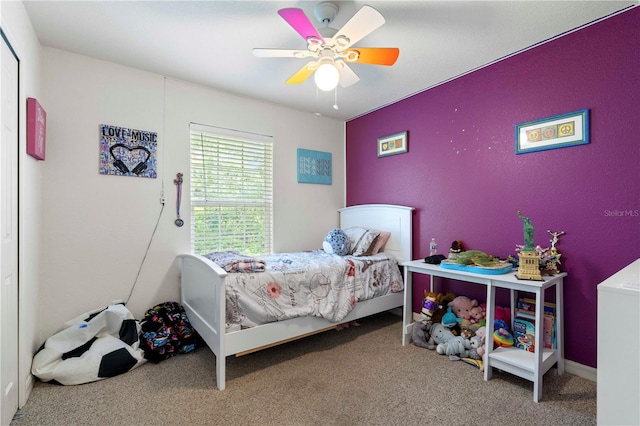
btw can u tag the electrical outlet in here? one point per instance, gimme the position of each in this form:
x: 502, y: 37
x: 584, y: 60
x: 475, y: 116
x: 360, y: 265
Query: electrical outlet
x: 162, y: 200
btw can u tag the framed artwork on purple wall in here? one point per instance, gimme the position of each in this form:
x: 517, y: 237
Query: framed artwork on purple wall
x: 559, y: 131
x: 393, y: 144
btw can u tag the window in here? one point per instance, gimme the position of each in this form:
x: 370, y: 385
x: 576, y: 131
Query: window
x: 231, y: 191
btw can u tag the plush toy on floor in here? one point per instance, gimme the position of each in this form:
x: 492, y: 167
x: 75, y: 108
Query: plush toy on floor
x: 421, y: 335
x: 458, y: 346
x: 446, y: 342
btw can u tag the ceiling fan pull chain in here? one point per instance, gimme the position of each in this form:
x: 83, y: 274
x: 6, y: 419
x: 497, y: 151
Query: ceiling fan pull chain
x: 335, y: 98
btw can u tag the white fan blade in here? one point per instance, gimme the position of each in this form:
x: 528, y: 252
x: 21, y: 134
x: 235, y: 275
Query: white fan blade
x: 363, y: 23
x: 280, y: 53
x: 347, y: 76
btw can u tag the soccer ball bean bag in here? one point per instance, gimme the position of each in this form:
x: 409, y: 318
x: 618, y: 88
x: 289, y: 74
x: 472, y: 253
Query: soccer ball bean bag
x: 104, y: 344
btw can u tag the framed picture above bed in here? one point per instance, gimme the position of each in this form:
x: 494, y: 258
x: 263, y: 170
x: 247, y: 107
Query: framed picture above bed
x: 559, y: 131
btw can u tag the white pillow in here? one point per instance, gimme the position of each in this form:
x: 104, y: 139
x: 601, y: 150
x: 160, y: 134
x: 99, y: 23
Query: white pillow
x: 361, y: 239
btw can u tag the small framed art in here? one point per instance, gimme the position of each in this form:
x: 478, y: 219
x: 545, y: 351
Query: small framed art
x: 393, y: 144
x: 36, y: 129
x: 559, y: 131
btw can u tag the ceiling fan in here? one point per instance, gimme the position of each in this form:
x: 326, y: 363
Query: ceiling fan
x: 330, y: 49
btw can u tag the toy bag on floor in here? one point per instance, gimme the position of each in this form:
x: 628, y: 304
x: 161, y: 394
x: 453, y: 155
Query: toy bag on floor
x: 166, y: 331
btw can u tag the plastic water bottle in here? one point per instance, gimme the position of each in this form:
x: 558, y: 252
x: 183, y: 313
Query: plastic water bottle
x: 433, y: 247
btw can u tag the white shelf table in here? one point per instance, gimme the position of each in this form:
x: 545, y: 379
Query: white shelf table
x: 528, y: 365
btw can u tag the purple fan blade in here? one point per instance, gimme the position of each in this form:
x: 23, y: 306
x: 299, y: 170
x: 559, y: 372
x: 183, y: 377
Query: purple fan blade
x: 299, y: 22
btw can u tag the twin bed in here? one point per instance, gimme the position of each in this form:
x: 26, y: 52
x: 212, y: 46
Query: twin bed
x: 372, y: 286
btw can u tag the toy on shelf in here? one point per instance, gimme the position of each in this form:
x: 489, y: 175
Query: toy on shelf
x: 456, y: 249
x: 553, y: 259
x: 502, y: 337
x: 477, y: 261
x: 529, y: 260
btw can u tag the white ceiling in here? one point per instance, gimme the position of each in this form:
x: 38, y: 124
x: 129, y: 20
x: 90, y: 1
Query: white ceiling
x: 210, y: 42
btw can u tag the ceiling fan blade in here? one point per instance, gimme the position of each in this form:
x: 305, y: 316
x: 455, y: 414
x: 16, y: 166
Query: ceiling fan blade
x: 347, y: 76
x: 303, y: 73
x: 299, y: 22
x: 279, y: 53
x: 363, y: 23
x: 375, y: 55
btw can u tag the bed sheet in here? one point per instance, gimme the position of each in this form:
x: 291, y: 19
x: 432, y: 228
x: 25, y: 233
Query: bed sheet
x: 308, y: 283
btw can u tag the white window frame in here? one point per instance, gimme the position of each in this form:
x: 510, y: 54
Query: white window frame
x: 217, y: 154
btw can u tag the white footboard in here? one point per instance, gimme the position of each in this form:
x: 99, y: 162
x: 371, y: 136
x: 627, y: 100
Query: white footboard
x: 203, y: 298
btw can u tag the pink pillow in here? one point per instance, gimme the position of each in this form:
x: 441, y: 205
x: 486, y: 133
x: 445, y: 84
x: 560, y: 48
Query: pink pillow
x: 380, y: 242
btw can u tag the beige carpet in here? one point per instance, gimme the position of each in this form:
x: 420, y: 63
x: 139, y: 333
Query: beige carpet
x: 357, y: 376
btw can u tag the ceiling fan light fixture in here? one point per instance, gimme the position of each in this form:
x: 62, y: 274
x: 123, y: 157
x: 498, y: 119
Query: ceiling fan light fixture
x: 327, y: 76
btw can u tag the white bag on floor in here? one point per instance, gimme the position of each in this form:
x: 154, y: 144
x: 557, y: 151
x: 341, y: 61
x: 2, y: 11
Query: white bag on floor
x: 100, y: 346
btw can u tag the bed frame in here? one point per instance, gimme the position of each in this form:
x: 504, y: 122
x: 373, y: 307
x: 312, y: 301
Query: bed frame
x: 203, y: 291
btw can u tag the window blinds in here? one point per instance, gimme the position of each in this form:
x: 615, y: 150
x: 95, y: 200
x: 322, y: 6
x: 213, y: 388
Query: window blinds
x: 231, y: 191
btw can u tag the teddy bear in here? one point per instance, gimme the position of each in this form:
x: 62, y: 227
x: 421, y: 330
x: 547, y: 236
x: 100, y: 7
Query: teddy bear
x: 477, y: 314
x: 421, y: 335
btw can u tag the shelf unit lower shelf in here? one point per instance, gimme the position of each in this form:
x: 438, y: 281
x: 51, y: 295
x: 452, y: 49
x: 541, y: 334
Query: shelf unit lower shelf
x: 520, y: 362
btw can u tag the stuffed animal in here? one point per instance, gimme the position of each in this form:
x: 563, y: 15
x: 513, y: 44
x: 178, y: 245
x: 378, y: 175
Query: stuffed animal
x: 457, y: 346
x: 336, y: 242
x: 444, y: 302
x: 462, y: 306
x: 449, y: 319
x: 421, y: 335
x: 477, y: 314
x: 476, y: 344
x: 481, y: 333
x: 439, y: 334
x: 430, y: 304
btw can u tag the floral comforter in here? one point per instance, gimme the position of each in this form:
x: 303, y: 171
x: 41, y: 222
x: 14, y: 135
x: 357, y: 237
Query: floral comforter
x: 308, y: 283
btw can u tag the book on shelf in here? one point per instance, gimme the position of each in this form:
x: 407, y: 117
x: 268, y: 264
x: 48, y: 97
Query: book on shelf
x: 527, y: 304
x: 524, y: 325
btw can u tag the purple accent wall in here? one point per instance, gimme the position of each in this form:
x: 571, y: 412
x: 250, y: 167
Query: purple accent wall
x: 466, y: 182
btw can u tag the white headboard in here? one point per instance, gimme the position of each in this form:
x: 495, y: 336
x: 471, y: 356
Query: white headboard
x: 385, y: 217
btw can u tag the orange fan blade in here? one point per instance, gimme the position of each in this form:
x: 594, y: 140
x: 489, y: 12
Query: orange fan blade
x: 302, y: 74
x: 376, y: 55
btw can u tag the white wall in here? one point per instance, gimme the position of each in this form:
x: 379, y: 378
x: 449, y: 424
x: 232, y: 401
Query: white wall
x: 96, y: 228
x: 18, y: 30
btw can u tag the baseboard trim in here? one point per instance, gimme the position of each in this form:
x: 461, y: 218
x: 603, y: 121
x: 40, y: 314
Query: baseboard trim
x: 581, y: 370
